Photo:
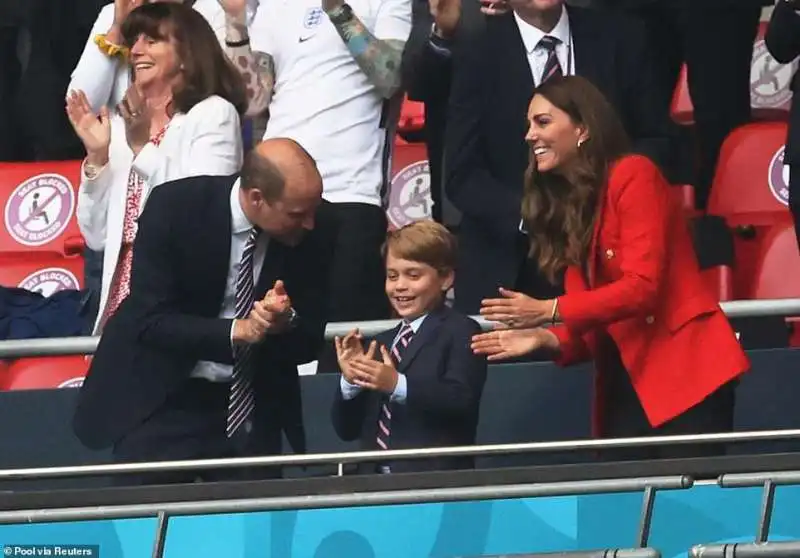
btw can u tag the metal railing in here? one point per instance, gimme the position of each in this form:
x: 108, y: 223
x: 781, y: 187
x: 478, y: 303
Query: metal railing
x: 342, y: 458
x: 607, y: 553
x: 86, y: 345
x: 760, y: 547
x: 163, y: 512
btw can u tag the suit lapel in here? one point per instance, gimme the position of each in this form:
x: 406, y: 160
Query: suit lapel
x: 504, y: 35
x: 215, y: 241
x: 426, y: 333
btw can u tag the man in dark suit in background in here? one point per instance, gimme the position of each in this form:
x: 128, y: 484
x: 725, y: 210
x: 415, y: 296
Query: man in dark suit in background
x: 198, y: 362
x: 439, y: 29
x: 485, y: 151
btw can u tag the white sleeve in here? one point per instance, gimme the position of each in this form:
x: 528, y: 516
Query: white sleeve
x: 393, y: 21
x: 96, y: 72
x: 92, y: 207
x: 211, y: 144
x: 260, y: 31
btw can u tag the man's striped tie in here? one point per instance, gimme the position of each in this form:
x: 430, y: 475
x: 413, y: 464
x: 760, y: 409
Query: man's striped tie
x: 385, y: 419
x: 552, y: 67
x: 242, y: 400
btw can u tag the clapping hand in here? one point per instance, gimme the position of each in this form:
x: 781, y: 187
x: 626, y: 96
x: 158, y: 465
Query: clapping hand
x: 504, y: 344
x: 378, y: 375
x: 272, y: 314
x: 233, y: 8
x: 94, y: 130
x: 517, y: 310
x: 122, y: 8
x: 137, y: 116
x: 347, y: 349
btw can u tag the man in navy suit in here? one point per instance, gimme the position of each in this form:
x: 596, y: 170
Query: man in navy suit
x: 200, y: 361
x: 418, y: 384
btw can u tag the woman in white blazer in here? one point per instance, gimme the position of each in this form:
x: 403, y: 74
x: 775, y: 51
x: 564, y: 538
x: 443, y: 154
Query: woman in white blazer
x: 179, y: 118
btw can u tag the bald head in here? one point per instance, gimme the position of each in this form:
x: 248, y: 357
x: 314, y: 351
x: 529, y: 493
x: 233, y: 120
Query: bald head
x: 281, y: 189
x: 278, y: 164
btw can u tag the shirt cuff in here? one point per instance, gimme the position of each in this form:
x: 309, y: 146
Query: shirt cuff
x: 400, y: 390
x: 233, y: 324
x: 147, y: 161
x: 439, y: 45
x: 349, y: 391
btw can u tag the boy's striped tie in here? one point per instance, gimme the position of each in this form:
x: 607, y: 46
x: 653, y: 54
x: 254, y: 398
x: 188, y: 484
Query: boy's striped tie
x: 385, y: 418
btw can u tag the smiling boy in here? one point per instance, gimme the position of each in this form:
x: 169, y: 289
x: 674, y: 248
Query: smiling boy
x: 418, y: 384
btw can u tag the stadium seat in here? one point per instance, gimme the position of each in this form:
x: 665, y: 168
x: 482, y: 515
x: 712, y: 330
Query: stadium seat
x: 44, y: 373
x: 409, y: 191
x: 412, y: 117
x: 39, y: 202
x: 778, y: 265
x: 770, y: 87
x: 751, y: 180
x: 750, y: 192
x: 41, y: 273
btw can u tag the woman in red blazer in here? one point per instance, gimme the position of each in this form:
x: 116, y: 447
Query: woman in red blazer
x: 666, y: 356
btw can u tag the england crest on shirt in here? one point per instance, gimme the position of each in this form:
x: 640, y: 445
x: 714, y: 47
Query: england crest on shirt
x: 313, y: 17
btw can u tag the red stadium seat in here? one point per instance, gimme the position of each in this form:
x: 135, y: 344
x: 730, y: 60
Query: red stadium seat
x: 750, y: 190
x: 770, y: 87
x: 409, y: 192
x: 751, y: 181
x: 778, y: 265
x: 46, y: 275
x: 39, y: 202
x: 412, y: 116
x: 719, y: 281
x: 44, y: 373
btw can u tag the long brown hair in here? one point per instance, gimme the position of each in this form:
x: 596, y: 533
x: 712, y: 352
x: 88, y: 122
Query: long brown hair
x: 559, y: 206
x: 206, y: 69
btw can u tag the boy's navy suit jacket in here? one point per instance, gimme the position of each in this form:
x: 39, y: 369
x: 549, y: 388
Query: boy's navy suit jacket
x: 445, y: 382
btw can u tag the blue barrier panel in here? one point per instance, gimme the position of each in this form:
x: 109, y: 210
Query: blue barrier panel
x: 703, y: 514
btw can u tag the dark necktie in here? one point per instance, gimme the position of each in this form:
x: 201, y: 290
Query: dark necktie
x: 385, y: 419
x: 552, y: 68
x: 242, y: 400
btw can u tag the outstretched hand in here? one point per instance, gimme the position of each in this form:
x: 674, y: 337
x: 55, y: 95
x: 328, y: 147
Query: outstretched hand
x: 505, y: 343
x: 517, y: 310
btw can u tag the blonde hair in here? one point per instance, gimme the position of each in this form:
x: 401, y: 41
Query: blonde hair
x: 425, y: 242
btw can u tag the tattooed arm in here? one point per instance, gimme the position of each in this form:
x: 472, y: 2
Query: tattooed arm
x: 257, y: 68
x: 378, y: 59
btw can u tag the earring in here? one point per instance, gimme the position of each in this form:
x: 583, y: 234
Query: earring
x: 580, y: 142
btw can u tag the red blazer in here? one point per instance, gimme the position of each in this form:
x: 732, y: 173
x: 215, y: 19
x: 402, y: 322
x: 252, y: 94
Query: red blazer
x: 646, y: 292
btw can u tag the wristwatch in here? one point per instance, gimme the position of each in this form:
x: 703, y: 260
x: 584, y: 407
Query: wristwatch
x: 340, y: 15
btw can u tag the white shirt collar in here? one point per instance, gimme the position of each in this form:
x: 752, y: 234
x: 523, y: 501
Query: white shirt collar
x: 417, y: 322
x: 239, y: 222
x: 532, y: 35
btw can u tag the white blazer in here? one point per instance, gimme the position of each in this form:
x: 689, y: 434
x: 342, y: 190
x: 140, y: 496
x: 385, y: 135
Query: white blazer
x: 207, y: 140
x: 105, y: 80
